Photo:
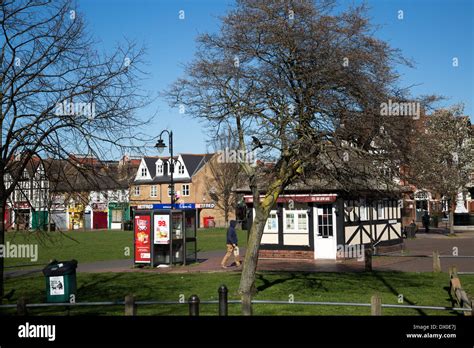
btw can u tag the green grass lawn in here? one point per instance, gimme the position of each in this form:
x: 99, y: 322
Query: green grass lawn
x: 417, y: 288
x: 210, y: 239
x: 84, y: 246
x: 99, y: 245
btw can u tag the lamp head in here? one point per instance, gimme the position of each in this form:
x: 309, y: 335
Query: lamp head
x: 160, y: 146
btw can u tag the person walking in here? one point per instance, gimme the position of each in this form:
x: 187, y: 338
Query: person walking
x: 231, y: 243
x: 426, y: 221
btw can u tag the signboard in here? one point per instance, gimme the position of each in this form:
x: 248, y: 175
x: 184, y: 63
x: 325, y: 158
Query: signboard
x: 175, y: 206
x: 300, y: 199
x: 142, y: 239
x: 162, y: 229
x: 392, y: 222
x: 206, y: 206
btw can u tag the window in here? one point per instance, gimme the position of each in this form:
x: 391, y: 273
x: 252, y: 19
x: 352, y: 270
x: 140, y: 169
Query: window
x: 186, y: 190
x: 380, y: 210
x: 272, y: 223
x: 290, y: 221
x: 137, y: 191
x: 181, y: 169
x: 169, y: 190
x: 153, y: 191
x: 116, y: 215
x: 325, y: 221
x: 159, y: 169
x: 144, y: 171
x: 302, y: 222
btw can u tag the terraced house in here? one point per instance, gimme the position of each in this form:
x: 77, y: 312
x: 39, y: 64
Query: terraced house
x: 191, y: 173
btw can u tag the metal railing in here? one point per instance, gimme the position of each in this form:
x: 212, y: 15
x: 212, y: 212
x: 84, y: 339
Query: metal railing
x: 194, y: 304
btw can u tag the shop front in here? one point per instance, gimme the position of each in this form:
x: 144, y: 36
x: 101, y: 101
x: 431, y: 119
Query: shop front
x: 22, y: 215
x: 76, y: 215
x: 119, y: 213
x: 39, y: 220
x: 99, y: 214
x: 323, y: 226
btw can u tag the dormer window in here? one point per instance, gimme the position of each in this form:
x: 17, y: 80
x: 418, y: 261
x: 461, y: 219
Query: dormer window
x: 159, y: 169
x: 181, y: 169
x: 144, y: 172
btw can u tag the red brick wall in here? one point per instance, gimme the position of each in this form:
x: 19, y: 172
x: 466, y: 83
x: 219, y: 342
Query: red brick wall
x: 287, y: 254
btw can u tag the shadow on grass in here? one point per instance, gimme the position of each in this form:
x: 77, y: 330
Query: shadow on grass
x: 309, y: 282
x: 394, y: 291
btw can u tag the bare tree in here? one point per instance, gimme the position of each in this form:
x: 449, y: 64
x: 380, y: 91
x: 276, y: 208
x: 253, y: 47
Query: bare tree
x: 225, y: 172
x: 441, y: 159
x: 59, y: 95
x: 302, y: 84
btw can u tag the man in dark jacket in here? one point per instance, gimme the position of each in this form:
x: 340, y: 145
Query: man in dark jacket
x: 231, y: 245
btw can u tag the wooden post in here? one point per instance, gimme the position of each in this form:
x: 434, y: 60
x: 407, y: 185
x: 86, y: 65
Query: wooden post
x: 436, y: 262
x: 130, y: 306
x: 368, y: 259
x: 376, y: 305
x: 21, y: 307
x: 453, y: 272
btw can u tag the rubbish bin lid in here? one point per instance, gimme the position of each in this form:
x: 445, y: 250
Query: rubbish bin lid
x: 57, y: 268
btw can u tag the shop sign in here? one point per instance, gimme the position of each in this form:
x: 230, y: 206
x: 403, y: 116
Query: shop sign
x: 22, y: 205
x: 162, y: 229
x: 205, y: 206
x: 99, y: 206
x: 142, y: 239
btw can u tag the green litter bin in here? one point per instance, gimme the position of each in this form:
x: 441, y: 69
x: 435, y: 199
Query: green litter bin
x: 61, y: 281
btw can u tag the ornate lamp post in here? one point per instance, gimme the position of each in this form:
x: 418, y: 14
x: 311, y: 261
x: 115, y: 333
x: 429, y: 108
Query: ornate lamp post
x: 160, y: 145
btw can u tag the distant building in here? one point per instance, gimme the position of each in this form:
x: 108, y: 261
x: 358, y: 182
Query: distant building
x: 151, y: 185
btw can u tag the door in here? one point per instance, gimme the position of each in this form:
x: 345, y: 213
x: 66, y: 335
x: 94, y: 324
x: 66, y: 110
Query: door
x: 100, y: 220
x: 324, y: 232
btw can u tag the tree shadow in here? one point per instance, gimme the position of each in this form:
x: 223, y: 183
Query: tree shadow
x: 396, y: 293
x: 309, y: 282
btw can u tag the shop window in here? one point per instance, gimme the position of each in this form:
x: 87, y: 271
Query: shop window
x: 153, y: 191
x: 290, y: 221
x: 272, y: 223
x: 302, y: 222
x: 186, y: 190
x: 117, y: 215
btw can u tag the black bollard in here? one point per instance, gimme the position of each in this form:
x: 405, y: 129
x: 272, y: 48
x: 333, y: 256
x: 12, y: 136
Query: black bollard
x: 223, y: 305
x: 194, y: 306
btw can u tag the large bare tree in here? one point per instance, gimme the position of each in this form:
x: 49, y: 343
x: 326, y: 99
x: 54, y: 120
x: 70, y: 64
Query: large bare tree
x: 303, y: 83
x: 441, y: 158
x: 58, y: 94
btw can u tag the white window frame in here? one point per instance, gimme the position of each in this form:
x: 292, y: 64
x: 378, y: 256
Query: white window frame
x: 272, y: 217
x: 159, y: 169
x: 144, y: 172
x: 380, y: 210
x: 136, y: 191
x: 184, y: 187
x: 153, y: 191
x: 181, y: 169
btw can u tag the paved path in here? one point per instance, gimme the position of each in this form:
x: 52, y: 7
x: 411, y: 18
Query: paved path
x: 423, y: 245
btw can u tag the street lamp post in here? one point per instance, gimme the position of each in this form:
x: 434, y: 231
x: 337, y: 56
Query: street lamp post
x: 160, y: 145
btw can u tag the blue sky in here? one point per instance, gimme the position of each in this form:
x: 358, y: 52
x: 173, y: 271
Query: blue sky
x: 431, y: 33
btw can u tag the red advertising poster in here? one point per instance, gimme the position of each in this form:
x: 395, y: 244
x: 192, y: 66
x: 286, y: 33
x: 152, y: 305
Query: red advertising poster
x: 142, y: 239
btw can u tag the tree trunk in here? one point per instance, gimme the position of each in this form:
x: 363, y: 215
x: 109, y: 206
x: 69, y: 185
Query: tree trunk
x: 2, y: 242
x: 247, y: 281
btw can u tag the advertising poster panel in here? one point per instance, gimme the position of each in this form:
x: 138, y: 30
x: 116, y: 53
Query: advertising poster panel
x: 142, y: 239
x: 162, y: 229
